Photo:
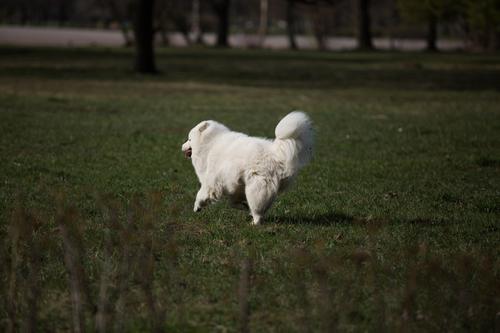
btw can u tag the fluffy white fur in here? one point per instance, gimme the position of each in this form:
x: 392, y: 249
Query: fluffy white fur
x: 249, y: 171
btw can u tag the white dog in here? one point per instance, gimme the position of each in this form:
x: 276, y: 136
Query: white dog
x: 249, y: 171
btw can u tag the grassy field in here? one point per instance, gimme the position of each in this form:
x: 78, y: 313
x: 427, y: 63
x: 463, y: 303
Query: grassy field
x: 393, y: 227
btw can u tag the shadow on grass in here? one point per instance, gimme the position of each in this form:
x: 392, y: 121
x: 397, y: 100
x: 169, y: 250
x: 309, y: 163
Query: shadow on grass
x: 326, y: 219
x: 306, y: 70
x: 339, y: 218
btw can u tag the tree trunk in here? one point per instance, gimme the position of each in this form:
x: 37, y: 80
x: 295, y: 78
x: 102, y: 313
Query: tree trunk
x: 119, y: 16
x: 165, y: 41
x: 62, y: 16
x: 221, y: 8
x: 143, y: 31
x: 495, y: 41
x: 432, y: 34
x: 182, y: 25
x: 128, y: 40
x: 492, y: 38
x: 319, y: 27
x: 290, y: 24
x: 263, y: 22
x: 196, y: 25
x: 364, y: 25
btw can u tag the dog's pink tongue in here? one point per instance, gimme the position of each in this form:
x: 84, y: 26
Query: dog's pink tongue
x: 188, y: 153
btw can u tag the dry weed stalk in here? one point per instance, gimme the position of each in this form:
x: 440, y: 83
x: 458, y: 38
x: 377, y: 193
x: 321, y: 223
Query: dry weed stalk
x: 244, y: 294
x: 302, y: 260
x: 73, y: 259
x: 137, y: 244
x: 125, y: 238
x: 34, y: 248
x: 16, y: 225
x: 147, y: 271
x: 23, y: 289
x: 104, y: 314
x: 329, y: 315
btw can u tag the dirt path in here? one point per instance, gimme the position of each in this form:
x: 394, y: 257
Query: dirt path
x: 72, y: 37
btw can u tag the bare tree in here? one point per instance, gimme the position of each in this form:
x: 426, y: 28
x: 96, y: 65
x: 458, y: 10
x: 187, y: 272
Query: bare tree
x: 118, y: 11
x: 263, y: 20
x: 221, y: 9
x: 363, y: 23
x: 143, y: 31
x: 196, y: 22
x: 172, y: 15
x: 290, y: 24
x: 319, y: 25
x: 431, y: 13
x: 432, y: 26
x: 63, y: 10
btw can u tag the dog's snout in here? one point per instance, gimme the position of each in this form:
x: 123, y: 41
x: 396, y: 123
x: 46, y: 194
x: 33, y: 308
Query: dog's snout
x: 187, y: 150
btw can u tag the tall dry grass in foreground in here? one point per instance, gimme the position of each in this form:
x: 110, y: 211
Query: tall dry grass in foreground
x: 124, y: 270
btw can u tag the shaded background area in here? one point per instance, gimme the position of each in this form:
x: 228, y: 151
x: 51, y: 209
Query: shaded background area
x: 322, y: 24
x: 254, y: 68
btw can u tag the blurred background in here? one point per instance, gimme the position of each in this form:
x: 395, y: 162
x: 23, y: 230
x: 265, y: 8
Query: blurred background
x: 471, y: 25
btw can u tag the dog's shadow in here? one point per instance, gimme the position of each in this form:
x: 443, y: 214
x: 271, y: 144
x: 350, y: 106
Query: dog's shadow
x: 339, y: 218
x: 325, y: 219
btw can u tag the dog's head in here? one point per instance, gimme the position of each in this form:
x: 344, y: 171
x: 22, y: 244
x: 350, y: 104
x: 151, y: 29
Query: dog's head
x: 200, y: 136
x: 194, y: 138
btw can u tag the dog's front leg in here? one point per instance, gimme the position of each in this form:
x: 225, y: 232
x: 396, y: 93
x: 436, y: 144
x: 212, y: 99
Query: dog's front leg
x: 202, y: 198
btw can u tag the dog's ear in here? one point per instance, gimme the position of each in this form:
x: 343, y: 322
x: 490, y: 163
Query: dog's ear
x: 203, y: 126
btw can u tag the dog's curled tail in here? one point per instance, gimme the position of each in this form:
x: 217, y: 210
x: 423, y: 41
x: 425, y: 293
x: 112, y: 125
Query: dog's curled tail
x: 296, y: 127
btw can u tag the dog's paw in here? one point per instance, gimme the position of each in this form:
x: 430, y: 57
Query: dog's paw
x: 256, y: 220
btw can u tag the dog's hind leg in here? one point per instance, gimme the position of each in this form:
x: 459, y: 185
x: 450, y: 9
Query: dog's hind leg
x: 260, y: 196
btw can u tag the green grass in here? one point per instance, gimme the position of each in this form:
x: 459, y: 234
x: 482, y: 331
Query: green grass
x: 393, y: 226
